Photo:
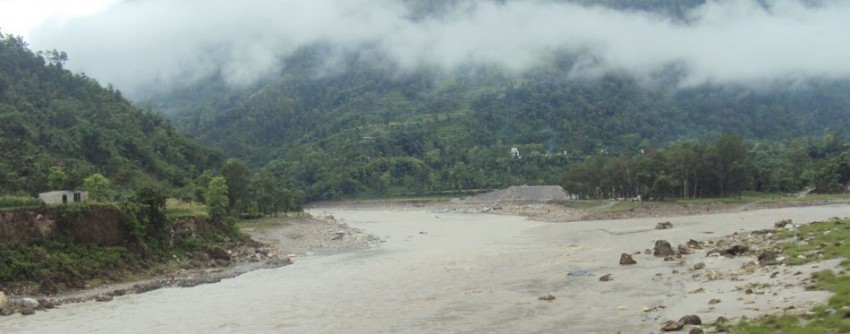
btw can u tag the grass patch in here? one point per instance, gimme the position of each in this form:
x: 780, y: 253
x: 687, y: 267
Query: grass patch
x: 180, y: 209
x: 816, y: 241
x: 18, y: 202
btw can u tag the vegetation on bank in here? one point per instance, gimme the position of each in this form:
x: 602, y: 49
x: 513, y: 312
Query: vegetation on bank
x: 816, y: 241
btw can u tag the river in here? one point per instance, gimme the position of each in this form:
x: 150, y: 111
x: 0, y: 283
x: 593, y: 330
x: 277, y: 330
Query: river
x: 436, y: 273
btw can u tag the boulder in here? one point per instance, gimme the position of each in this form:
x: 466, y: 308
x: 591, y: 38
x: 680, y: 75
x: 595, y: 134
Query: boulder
x: 626, y: 259
x: 699, y: 266
x: 7, y: 310
x: 44, y: 303
x: 683, y: 249
x: 103, y: 298
x: 3, y: 299
x: 694, y: 244
x: 25, y: 302
x: 663, y: 226
x: 782, y: 223
x: 28, y: 310
x: 767, y: 257
x: 731, y: 251
x: 547, y: 298
x: 690, y: 320
x: 606, y: 278
x: 663, y: 249
x: 671, y: 326
x: 696, y: 330
x: 714, y: 301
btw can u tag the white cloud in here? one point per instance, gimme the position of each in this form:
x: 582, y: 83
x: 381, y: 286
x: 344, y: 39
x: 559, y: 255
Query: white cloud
x: 732, y: 41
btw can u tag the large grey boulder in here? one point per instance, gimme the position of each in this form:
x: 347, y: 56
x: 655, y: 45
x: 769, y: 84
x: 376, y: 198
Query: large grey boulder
x: 663, y: 249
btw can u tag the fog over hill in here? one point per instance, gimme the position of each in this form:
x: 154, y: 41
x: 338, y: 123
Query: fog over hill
x: 134, y: 44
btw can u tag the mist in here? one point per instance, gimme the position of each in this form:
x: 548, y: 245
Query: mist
x: 138, y: 43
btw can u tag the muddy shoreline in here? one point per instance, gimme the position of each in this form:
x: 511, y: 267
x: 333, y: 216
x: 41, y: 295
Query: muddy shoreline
x: 272, y: 246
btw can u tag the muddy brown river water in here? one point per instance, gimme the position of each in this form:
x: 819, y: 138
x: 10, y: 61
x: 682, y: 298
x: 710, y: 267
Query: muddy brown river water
x: 448, y: 273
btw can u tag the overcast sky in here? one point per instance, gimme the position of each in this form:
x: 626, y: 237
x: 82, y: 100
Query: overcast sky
x: 135, y: 42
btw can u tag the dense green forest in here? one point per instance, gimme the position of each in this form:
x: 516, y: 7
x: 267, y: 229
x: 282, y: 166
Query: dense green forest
x: 58, y: 128
x: 370, y: 128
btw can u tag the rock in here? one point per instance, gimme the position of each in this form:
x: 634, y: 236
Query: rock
x: 622, y: 308
x: 699, y: 266
x: 606, y: 278
x: 103, y: 298
x: 119, y: 292
x: 338, y: 236
x: 713, y: 275
x: 696, y: 330
x: 714, y: 301
x: 734, y: 250
x: 767, y: 257
x: 218, y: 253
x: 7, y: 310
x: 28, y: 310
x: 782, y: 223
x: 24, y: 303
x: 647, y: 251
x: 547, y: 298
x: 671, y: 326
x: 663, y: 226
x: 694, y: 244
x: 663, y: 249
x: 690, y: 320
x: 3, y: 299
x: 697, y: 290
x: 44, y: 303
x: 626, y: 259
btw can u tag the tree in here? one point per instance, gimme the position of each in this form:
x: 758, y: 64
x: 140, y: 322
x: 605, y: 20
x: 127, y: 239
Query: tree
x: 238, y: 179
x: 56, y: 179
x: 217, y: 199
x: 732, y: 165
x: 98, y: 187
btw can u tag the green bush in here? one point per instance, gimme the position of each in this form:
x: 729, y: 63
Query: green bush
x: 8, y: 201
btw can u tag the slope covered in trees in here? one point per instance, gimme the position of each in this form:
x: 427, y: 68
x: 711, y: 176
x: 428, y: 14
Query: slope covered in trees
x: 365, y: 126
x: 58, y: 128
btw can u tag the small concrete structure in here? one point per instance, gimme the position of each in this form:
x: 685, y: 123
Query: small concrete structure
x: 515, y: 153
x: 63, y: 196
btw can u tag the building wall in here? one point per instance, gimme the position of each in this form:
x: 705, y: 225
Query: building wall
x: 55, y: 197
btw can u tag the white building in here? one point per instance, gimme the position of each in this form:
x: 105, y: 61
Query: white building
x: 63, y: 196
x: 515, y: 153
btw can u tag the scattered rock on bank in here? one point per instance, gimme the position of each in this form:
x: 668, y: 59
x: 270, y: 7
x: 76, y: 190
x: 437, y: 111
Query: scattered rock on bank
x: 626, y: 259
x: 671, y: 326
x: 606, y: 278
x: 663, y: 249
x: 663, y: 226
x: 690, y: 320
x: 547, y: 298
x: 104, y: 298
x: 782, y: 223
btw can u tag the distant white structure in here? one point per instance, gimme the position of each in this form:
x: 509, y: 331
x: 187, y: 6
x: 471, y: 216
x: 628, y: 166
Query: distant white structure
x: 515, y: 153
x: 63, y: 196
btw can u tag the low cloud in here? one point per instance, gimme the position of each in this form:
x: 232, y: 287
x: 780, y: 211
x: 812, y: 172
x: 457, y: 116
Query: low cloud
x: 136, y: 43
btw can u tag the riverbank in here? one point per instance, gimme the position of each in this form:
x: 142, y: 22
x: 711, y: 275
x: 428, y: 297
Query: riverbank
x: 274, y: 243
x: 440, y: 271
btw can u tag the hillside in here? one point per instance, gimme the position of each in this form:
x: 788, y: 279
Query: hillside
x: 50, y: 117
x: 372, y: 128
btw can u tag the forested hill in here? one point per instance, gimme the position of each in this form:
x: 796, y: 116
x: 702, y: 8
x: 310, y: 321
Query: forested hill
x: 52, y: 118
x: 368, y: 127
